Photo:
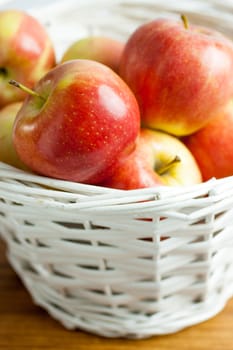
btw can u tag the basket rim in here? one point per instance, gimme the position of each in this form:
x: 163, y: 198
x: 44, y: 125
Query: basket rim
x: 11, y: 173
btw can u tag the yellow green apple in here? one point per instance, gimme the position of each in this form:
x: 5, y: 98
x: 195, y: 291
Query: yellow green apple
x: 7, y: 150
x: 103, y: 49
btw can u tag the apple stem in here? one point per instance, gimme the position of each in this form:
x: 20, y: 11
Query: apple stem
x: 166, y: 167
x: 25, y: 89
x: 185, y: 21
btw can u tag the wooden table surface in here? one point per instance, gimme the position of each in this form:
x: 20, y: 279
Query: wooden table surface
x: 24, y: 326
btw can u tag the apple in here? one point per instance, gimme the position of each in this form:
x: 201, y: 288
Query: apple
x: 7, y: 151
x: 103, y: 49
x: 81, y: 118
x: 212, y: 146
x: 181, y: 75
x: 158, y: 159
x: 26, y: 53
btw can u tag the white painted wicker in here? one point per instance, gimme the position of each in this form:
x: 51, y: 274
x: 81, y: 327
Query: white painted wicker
x: 121, y: 263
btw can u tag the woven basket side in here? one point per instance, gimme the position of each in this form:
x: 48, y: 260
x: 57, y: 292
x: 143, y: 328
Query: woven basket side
x: 120, y: 18
x: 121, y: 268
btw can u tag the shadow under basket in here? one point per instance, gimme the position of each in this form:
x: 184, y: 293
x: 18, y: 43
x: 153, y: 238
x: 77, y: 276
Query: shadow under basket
x: 117, y: 263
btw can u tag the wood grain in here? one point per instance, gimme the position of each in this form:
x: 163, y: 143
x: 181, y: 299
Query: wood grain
x: 24, y: 326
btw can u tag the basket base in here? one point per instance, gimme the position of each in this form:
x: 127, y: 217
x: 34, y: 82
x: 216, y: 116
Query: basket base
x: 113, y: 324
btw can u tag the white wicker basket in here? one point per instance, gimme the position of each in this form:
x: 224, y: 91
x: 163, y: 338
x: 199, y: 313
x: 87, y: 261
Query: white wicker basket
x: 121, y: 263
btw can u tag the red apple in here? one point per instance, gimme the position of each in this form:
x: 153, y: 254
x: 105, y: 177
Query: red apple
x: 83, y: 120
x: 212, y: 146
x: 26, y: 53
x: 182, y: 76
x: 7, y: 150
x: 103, y: 49
x: 158, y: 159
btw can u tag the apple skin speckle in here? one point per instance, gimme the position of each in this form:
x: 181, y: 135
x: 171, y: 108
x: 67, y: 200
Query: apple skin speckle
x: 89, y: 122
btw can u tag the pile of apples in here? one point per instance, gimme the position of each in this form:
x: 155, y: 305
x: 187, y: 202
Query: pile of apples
x: 154, y: 110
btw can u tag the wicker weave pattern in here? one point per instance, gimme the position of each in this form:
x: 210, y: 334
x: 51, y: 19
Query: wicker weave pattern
x: 129, y: 264
x: 118, y: 18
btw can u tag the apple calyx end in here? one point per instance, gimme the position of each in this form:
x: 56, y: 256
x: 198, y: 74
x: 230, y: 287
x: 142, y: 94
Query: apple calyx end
x: 165, y: 168
x: 185, y: 21
x: 25, y: 89
x: 3, y: 72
